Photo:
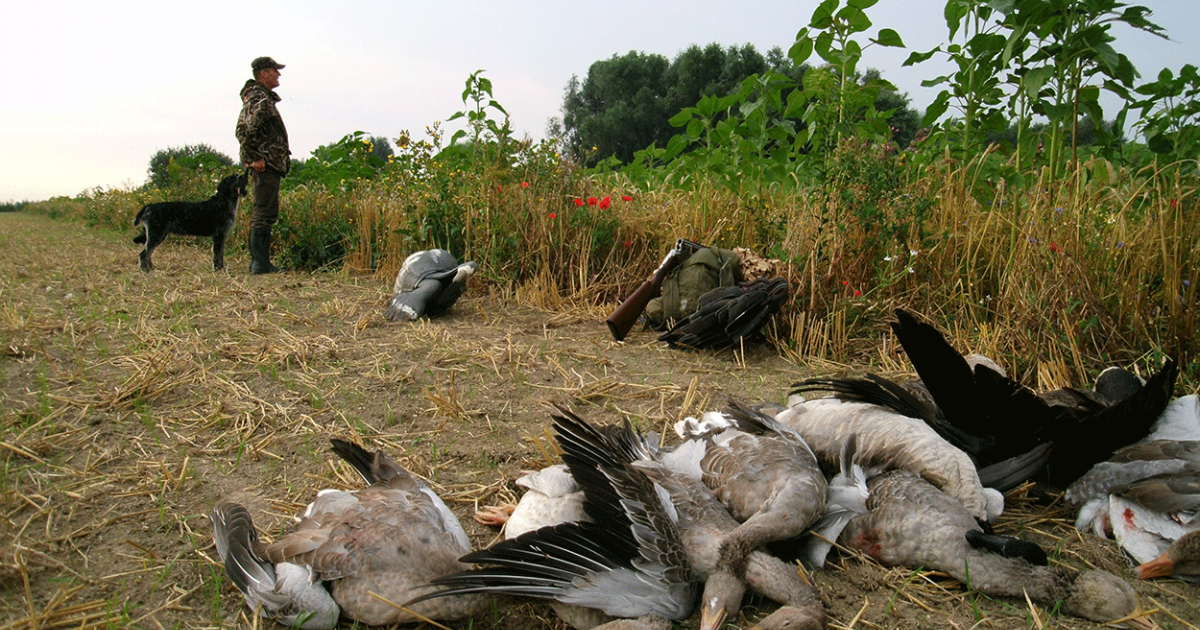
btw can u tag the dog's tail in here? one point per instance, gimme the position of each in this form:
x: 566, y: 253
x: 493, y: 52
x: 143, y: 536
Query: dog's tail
x: 141, y: 237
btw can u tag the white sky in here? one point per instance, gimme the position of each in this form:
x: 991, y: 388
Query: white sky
x: 93, y: 90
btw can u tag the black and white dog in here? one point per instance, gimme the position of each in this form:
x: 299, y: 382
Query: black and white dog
x: 212, y: 217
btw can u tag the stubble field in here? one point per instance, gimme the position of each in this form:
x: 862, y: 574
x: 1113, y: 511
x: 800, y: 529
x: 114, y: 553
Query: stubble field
x: 133, y: 402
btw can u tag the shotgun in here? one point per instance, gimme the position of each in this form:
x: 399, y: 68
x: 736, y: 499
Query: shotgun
x: 631, y: 309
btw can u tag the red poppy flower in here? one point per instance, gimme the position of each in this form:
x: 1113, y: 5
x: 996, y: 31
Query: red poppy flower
x: 857, y: 293
x: 628, y: 243
x: 845, y: 282
x: 626, y: 198
x: 592, y: 201
x: 578, y: 202
x: 524, y: 184
x: 605, y: 203
x: 553, y: 215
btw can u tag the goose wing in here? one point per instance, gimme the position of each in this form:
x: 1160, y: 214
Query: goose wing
x: 1094, y: 437
x: 291, y: 595
x: 628, y: 562
x: 726, y: 315
x: 1008, y: 418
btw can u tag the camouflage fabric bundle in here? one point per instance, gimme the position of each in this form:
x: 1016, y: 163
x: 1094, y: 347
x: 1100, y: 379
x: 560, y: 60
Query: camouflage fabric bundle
x: 703, y: 271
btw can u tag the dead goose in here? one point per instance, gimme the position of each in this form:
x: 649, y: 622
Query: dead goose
x: 846, y: 498
x: 389, y: 539
x: 1181, y: 560
x: 429, y: 283
x: 289, y: 593
x: 1147, y: 494
x: 762, y: 471
x: 912, y: 400
x: 911, y: 523
x: 1145, y: 514
x: 1006, y: 422
x: 887, y: 439
x: 655, y: 537
x: 1148, y: 515
x: 626, y: 561
x: 726, y: 315
x: 551, y: 497
x: 1156, y: 459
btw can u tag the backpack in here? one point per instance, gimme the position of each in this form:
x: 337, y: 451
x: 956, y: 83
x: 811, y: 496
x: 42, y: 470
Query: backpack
x: 702, y: 271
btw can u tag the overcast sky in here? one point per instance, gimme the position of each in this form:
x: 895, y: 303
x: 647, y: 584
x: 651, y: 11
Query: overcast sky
x: 93, y: 90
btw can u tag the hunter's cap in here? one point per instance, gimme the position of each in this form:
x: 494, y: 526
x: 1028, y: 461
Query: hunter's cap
x: 262, y: 63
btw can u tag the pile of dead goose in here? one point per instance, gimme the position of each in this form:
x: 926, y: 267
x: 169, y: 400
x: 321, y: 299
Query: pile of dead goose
x: 628, y: 532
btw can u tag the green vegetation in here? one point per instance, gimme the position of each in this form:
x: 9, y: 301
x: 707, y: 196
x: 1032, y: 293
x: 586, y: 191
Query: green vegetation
x: 1064, y: 242
x: 178, y: 167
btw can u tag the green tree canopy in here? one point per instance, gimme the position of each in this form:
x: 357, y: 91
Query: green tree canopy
x: 624, y: 103
x: 381, y: 147
x: 618, y: 109
x: 167, y: 166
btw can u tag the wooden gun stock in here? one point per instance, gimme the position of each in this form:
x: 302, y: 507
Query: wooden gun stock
x: 627, y: 314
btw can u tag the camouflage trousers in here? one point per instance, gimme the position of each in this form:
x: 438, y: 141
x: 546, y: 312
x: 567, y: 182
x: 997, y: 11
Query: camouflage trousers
x: 266, y: 199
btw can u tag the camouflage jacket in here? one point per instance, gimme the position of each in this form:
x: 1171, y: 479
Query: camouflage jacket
x: 260, y: 129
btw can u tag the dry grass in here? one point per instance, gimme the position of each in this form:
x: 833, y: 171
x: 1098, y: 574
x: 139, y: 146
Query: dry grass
x: 133, y: 402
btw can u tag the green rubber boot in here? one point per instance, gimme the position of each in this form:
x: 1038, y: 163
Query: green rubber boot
x: 260, y: 252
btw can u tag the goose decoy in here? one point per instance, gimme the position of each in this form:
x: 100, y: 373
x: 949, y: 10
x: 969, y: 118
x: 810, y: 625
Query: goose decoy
x: 1181, y: 560
x: 371, y: 548
x: 762, y: 471
x: 911, y: 523
x: 726, y: 315
x: 1006, y: 424
x: 655, y: 537
x: 429, y: 283
x: 887, y: 439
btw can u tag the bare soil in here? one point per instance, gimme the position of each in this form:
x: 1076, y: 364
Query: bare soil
x: 133, y: 402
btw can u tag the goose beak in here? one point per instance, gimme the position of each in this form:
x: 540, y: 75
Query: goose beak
x: 1142, y: 623
x: 712, y: 618
x: 1161, y: 566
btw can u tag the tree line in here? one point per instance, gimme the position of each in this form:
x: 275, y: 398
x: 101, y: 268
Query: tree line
x: 624, y: 103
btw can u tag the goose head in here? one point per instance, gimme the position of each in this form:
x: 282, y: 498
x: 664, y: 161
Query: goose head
x: 1182, y: 560
x: 723, y: 591
x: 1103, y: 597
x: 791, y: 618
